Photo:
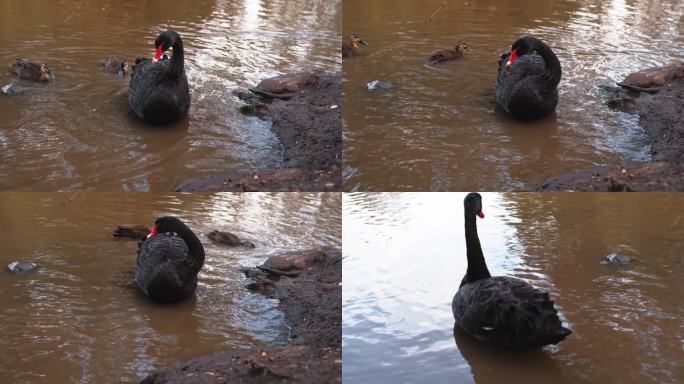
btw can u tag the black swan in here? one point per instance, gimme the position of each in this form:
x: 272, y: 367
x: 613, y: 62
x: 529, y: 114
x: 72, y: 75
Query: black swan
x: 169, y: 261
x: 158, y: 92
x: 527, y: 86
x: 501, y: 310
x: 352, y: 47
x: 443, y: 55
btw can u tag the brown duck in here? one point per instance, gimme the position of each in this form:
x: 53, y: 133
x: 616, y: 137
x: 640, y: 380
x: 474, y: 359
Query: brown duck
x: 228, y: 239
x: 27, y: 70
x: 353, y: 46
x: 114, y: 65
x: 449, y: 54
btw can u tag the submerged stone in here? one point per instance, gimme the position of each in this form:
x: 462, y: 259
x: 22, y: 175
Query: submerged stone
x: 21, y: 267
x: 378, y: 85
x: 616, y: 259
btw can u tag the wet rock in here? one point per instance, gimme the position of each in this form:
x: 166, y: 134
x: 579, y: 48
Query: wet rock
x: 298, y: 260
x: 616, y: 259
x: 377, y: 85
x: 654, y: 77
x: 22, y: 267
x: 286, y: 86
x: 132, y: 231
x: 228, y: 239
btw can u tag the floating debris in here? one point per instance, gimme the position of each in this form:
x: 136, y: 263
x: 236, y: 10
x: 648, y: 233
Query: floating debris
x: 379, y: 84
x: 22, y: 267
x: 616, y: 259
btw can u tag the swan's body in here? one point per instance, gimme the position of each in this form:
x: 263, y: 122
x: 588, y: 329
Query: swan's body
x: 159, y: 92
x: 527, y: 85
x: 501, y: 310
x: 168, y: 261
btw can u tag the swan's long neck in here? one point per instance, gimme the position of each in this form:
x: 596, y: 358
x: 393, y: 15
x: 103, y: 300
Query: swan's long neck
x: 177, y: 60
x: 552, y: 64
x: 195, y: 248
x: 477, y: 268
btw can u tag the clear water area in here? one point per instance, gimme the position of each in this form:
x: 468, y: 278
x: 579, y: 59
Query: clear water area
x: 77, y: 133
x: 80, y: 318
x: 440, y: 128
x: 404, y: 258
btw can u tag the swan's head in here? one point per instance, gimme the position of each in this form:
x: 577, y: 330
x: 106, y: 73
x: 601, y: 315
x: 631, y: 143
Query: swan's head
x: 167, y: 224
x: 355, y: 40
x: 521, y: 47
x: 163, y: 42
x: 472, y: 205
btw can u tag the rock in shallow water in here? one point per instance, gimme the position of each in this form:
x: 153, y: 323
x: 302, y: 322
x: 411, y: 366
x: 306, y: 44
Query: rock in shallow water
x: 21, y: 267
x: 616, y: 259
x: 379, y: 85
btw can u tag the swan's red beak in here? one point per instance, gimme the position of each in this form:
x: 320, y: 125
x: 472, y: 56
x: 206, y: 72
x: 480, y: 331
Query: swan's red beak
x: 158, y: 53
x: 153, y: 232
x: 512, y: 58
x: 481, y: 214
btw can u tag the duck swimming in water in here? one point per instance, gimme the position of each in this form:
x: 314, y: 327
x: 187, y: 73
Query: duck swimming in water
x: 353, y: 46
x: 114, y: 65
x: 28, y: 70
x: 440, y: 56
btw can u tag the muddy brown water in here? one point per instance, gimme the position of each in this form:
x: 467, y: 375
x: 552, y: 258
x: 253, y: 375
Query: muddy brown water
x: 77, y: 133
x: 404, y: 257
x: 80, y: 319
x: 440, y: 128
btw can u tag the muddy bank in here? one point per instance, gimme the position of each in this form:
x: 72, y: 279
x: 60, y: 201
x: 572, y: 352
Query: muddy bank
x: 656, y: 95
x: 308, y: 286
x: 304, y: 109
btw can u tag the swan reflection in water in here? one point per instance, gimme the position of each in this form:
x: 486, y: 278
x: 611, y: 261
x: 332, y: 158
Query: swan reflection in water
x: 492, y: 364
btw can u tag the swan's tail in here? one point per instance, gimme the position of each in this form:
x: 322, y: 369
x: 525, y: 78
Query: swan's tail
x: 164, y: 285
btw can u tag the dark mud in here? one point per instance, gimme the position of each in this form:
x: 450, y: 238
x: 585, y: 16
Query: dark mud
x: 308, y: 286
x: 306, y: 118
x: 657, y: 96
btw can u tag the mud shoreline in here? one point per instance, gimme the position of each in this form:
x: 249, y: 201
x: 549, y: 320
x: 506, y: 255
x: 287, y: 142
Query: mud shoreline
x: 308, y: 286
x: 308, y: 123
x: 656, y: 95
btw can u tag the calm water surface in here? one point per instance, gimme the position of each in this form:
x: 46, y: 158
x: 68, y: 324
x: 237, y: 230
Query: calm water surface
x: 80, y: 318
x: 77, y: 133
x: 404, y: 257
x: 440, y: 128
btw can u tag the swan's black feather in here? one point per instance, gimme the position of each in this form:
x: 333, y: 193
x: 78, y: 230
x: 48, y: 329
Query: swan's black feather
x: 528, y: 90
x: 158, y: 92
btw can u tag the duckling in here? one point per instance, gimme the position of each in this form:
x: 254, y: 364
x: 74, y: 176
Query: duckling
x: 449, y: 54
x: 229, y: 239
x: 133, y: 231
x: 352, y: 47
x: 114, y: 65
x: 31, y: 71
